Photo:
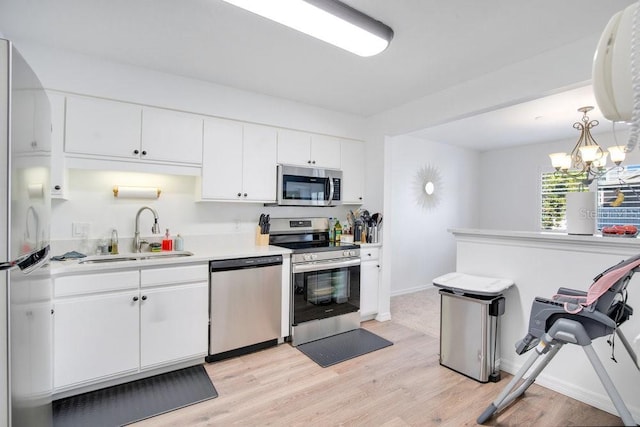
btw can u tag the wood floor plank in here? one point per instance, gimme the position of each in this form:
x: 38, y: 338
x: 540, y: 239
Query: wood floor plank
x: 401, y: 385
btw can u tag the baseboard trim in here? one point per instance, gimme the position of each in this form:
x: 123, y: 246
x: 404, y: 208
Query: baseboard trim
x: 395, y: 293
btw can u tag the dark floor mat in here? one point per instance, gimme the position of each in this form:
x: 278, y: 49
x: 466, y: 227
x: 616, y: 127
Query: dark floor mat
x: 338, y: 348
x: 134, y: 401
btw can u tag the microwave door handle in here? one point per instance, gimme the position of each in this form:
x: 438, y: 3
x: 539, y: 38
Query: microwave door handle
x: 331, y: 191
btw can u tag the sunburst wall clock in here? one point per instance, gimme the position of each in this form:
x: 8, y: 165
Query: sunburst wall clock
x: 428, y: 187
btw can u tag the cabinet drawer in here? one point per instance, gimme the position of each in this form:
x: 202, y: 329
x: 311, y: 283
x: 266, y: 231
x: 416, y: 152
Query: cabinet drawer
x: 368, y: 254
x: 174, y: 275
x: 90, y: 283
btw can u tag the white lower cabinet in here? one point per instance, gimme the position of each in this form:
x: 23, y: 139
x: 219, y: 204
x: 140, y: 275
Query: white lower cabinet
x: 173, y: 323
x: 369, y: 281
x: 95, y: 336
x: 111, y: 325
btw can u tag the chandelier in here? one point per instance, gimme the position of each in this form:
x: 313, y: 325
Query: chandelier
x: 587, y: 160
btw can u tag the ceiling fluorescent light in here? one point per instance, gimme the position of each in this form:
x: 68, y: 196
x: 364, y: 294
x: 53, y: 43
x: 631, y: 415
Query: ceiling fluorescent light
x: 328, y: 20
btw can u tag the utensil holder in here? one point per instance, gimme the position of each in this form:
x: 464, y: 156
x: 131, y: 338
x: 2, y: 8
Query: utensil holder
x: 261, y: 239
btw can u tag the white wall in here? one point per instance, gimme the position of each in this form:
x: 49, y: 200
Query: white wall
x: 90, y: 200
x: 416, y: 238
x: 71, y: 72
x: 510, y: 181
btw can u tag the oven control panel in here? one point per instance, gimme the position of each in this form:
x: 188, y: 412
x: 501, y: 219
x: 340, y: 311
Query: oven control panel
x: 325, y: 255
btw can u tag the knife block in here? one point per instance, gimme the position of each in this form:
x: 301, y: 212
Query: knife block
x: 261, y: 239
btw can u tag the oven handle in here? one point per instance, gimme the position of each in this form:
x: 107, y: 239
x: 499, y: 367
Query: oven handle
x: 324, y: 265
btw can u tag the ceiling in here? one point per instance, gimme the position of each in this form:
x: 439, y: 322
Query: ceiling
x: 548, y: 118
x: 437, y: 44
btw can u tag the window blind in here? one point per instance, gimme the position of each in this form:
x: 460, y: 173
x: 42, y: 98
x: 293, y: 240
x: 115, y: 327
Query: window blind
x: 554, y: 187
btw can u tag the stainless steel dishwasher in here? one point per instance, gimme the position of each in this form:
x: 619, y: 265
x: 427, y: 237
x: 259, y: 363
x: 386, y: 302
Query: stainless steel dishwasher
x: 245, y: 305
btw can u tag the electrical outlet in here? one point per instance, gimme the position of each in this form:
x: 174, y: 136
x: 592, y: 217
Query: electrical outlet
x: 80, y: 229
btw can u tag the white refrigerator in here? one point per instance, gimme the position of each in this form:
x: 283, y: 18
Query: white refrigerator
x: 25, y: 207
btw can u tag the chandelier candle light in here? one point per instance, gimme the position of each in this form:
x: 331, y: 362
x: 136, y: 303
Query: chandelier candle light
x: 587, y: 160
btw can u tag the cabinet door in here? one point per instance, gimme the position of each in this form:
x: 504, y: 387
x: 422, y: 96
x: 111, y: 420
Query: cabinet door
x: 294, y: 148
x: 325, y: 151
x: 95, y: 337
x: 171, y: 136
x: 369, y: 279
x: 222, y: 160
x: 173, y: 323
x: 259, y: 163
x: 101, y: 127
x: 31, y: 121
x: 352, y: 162
x: 58, y: 170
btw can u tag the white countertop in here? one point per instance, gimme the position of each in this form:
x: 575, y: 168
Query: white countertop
x: 548, y: 238
x: 204, y: 249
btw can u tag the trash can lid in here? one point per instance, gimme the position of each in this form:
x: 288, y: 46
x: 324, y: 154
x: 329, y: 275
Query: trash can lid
x: 469, y: 284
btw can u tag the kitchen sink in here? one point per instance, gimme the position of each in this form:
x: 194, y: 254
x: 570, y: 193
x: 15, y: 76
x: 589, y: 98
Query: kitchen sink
x: 101, y: 259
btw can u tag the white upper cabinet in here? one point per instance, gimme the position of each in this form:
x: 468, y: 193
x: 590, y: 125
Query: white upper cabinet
x: 325, y: 151
x: 171, y: 136
x: 294, y: 148
x: 103, y: 128
x: 259, y: 163
x: 305, y: 149
x: 222, y: 160
x: 119, y: 130
x: 352, y: 158
x: 239, y: 162
x: 31, y: 125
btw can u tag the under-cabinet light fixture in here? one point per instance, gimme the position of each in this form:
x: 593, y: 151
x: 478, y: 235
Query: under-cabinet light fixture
x: 328, y: 20
x: 126, y: 192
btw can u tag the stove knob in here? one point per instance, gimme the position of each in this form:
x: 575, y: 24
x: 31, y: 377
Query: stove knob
x: 314, y: 256
x: 352, y: 253
x: 306, y: 257
x: 345, y: 253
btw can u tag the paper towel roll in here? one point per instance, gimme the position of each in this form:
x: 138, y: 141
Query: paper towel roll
x: 581, y: 213
x: 136, y: 192
x: 36, y: 191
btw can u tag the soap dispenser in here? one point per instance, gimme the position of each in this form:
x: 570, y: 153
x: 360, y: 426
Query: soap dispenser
x: 167, y: 243
x: 178, y: 244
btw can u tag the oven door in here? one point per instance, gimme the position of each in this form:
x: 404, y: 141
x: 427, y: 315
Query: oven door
x: 299, y: 186
x: 325, y: 289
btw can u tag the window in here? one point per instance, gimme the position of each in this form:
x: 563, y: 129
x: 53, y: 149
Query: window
x: 619, y: 197
x: 554, y: 188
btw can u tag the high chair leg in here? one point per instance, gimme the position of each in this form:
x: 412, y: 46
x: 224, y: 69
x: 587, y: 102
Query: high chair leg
x: 508, y: 394
x: 624, y: 413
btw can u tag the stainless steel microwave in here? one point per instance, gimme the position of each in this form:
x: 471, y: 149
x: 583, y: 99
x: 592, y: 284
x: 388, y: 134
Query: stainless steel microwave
x: 302, y: 186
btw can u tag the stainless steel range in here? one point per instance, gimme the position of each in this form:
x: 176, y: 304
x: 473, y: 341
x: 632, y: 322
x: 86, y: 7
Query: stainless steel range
x: 325, y: 279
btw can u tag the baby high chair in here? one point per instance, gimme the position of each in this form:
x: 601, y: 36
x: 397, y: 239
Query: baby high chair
x: 575, y: 317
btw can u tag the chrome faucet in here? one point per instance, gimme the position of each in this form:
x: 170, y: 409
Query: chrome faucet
x: 137, y: 243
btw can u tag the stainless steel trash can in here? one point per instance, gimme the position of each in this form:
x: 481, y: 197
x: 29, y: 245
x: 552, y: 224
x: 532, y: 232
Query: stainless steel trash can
x: 470, y: 307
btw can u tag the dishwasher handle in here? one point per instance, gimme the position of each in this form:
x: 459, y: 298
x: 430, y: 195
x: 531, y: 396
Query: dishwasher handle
x: 244, y: 263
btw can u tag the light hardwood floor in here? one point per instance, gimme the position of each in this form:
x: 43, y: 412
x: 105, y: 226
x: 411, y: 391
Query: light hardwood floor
x: 401, y: 385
